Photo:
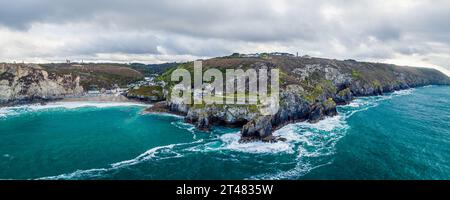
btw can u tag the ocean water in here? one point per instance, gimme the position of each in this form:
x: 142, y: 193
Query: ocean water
x: 402, y: 135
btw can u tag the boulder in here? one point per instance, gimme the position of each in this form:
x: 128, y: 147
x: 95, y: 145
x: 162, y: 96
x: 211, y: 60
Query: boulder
x: 344, y: 96
x: 260, y: 127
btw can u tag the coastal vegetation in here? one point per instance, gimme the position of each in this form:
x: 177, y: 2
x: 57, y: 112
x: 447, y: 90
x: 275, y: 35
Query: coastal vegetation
x: 148, y: 92
x: 310, y: 88
x: 101, y: 75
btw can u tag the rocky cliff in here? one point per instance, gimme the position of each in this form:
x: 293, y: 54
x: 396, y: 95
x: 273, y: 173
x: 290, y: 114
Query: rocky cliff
x: 28, y: 83
x: 148, y: 93
x: 310, y: 90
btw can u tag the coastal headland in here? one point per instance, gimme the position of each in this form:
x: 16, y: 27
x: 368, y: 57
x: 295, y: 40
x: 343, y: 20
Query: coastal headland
x: 310, y: 88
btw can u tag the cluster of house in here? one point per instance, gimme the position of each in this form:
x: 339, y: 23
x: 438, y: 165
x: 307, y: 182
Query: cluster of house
x: 266, y: 55
x: 148, y: 81
x: 94, y: 90
x: 257, y: 55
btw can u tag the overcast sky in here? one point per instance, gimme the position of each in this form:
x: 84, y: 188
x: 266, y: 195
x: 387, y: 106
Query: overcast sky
x: 402, y: 32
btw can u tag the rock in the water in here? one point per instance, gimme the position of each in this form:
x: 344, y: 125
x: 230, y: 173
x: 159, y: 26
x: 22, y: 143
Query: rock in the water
x: 344, y: 96
x: 260, y: 127
x: 310, y: 89
x: 316, y: 114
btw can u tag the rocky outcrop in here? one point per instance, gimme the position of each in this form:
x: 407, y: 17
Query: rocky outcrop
x: 206, y: 116
x: 310, y: 90
x: 260, y: 127
x: 344, y: 96
x: 146, y: 93
x: 28, y: 83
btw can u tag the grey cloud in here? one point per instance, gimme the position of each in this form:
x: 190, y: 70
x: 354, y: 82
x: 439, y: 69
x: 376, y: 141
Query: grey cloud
x: 250, y: 21
x: 360, y: 29
x: 132, y: 44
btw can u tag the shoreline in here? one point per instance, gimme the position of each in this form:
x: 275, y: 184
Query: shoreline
x: 161, y: 108
x: 152, y: 107
x: 78, y: 99
x: 101, y: 98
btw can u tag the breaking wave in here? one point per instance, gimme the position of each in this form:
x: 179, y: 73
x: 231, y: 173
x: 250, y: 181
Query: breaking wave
x: 17, y: 110
x: 314, y: 142
x: 156, y: 153
x: 231, y: 142
x: 311, y: 145
x: 186, y: 126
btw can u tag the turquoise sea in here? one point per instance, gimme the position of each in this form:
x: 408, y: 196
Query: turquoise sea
x: 401, y: 135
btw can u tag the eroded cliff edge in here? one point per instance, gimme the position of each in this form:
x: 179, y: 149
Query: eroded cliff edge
x: 311, y: 88
x: 29, y: 83
x: 22, y: 83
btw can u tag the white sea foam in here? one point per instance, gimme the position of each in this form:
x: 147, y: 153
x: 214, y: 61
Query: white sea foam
x: 231, y: 142
x: 156, y: 153
x: 6, y: 112
x: 15, y: 110
x: 295, y: 134
x: 309, y: 141
x: 305, y: 140
x: 403, y: 92
x: 365, y: 103
x: 186, y: 126
x: 299, y: 170
x: 149, y: 154
x: 362, y: 105
x: 327, y: 124
x: 91, y: 173
x: 164, y: 114
x: 74, y: 105
x: 319, y: 139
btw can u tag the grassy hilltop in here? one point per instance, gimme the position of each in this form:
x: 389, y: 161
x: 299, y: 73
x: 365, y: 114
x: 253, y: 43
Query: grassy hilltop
x: 310, y: 89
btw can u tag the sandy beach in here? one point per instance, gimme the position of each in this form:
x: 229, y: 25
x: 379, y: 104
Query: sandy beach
x: 101, y: 98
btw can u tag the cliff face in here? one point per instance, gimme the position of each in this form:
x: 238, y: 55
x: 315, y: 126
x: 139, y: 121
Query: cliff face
x: 147, y: 93
x: 26, y: 83
x: 310, y: 90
